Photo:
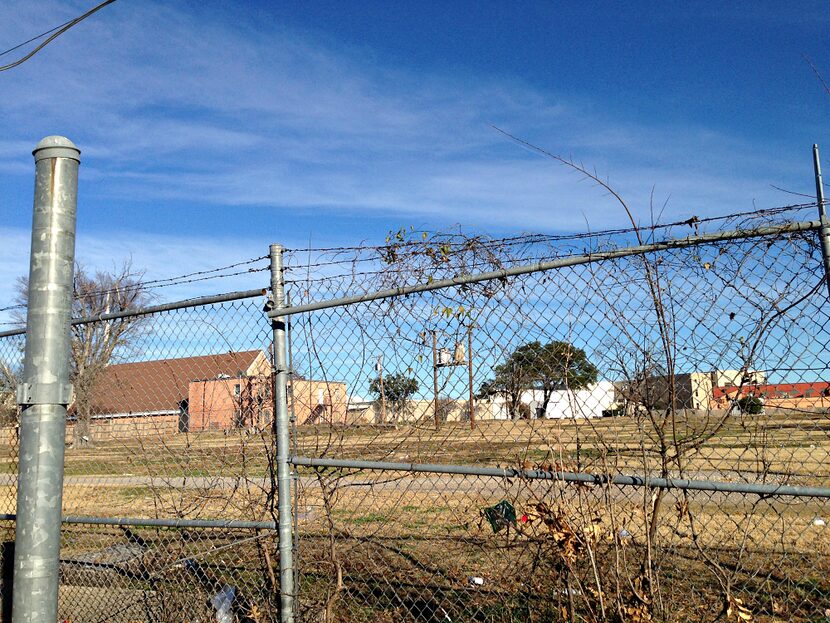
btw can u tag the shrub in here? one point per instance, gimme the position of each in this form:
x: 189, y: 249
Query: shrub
x: 751, y: 405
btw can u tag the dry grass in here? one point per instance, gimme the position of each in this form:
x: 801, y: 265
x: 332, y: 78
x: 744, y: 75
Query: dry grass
x: 391, y: 541
x: 399, y: 536
x: 132, y: 475
x: 781, y: 442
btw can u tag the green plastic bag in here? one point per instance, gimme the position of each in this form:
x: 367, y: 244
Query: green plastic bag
x: 502, y: 515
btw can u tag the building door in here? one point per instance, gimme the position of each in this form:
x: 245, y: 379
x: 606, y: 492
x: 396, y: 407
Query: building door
x: 184, y: 417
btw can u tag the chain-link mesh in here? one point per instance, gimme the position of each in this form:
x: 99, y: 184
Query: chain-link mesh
x: 11, y: 363
x: 630, y: 439
x: 171, y: 422
x: 704, y: 366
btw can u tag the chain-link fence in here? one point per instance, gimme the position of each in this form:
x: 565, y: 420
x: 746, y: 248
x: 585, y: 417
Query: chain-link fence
x: 168, y: 501
x: 592, y: 433
x: 624, y: 426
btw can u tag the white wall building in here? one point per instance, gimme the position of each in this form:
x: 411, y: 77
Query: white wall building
x: 563, y: 404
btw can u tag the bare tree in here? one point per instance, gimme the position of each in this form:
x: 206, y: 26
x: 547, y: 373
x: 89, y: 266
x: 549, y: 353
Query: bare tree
x: 9, y: 379
x: 94, y: 343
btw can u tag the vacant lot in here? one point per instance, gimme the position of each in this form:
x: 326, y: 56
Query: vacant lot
x: 399, y: 546
x: 218, y: 474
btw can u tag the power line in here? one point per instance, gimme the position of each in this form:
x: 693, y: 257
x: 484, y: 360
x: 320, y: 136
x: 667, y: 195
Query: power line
x: 43, y: 34
x: 56, y: 32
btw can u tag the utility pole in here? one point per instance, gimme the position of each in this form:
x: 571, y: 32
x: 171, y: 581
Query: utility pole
x: 471, y: 400
x: 45, y: 391
x: 379, y: 366
x: 824, y: 230
x: 435, y: 379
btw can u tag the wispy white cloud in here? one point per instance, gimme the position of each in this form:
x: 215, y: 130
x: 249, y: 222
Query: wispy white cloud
x: 173, y: 105
x: 168, y: 103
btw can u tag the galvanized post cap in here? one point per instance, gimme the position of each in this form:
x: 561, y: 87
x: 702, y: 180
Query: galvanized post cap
x: 56, y: 147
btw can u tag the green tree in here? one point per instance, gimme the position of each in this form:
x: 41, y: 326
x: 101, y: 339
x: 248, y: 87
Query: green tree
x: 509, y: 382
x: 544, y: 367
x: 556, y: 366
x: 751, y: 405
x: 397, y: 390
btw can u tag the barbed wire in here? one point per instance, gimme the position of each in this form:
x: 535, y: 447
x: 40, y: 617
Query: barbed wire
x: 443, y: 239
x: 604, y: 239
x: 206, y: 272
x: 539, y: 238
x: 155, y: 284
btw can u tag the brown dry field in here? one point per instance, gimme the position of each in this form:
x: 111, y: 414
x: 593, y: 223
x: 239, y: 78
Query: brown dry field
x: 784, y: 442
x: 395, y: 530
x: 216, y: 471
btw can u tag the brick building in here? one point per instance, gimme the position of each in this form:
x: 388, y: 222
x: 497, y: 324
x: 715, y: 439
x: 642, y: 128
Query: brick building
x: 157, y: 394
x: 802, y: 396
x: 210, y: 392
x: 238, y: 398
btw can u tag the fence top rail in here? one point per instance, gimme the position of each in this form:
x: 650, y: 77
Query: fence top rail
x: 574, y: 260
x: 154, y: 309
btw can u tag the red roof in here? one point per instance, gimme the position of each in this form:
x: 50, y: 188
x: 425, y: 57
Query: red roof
x: 776, y: 390
x: 161, y: 385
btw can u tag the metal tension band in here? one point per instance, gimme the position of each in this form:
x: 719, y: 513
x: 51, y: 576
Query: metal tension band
x: 44, y: 394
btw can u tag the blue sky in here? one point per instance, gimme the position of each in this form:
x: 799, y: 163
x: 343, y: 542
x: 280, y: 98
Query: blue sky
x: 211, y: 129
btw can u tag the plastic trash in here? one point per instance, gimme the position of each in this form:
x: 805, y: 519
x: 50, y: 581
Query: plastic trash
x: 475, y: 580
x: 500, y: 516
x: 818, y: 521
x: 222, y: 602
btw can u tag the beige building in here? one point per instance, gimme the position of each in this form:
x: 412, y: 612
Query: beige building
x: 319, y: 402
x: 363, y: 411
x: 692, y: 390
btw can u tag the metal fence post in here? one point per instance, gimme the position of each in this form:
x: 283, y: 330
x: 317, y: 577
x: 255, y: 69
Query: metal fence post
x: 45, y: 391
x: 824, y: 232
x: 282, y: 433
